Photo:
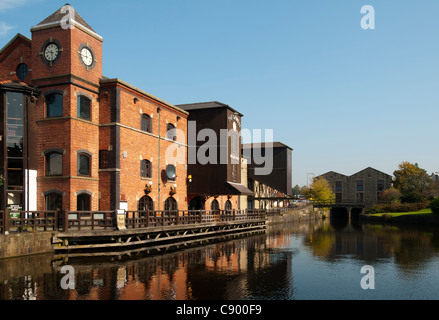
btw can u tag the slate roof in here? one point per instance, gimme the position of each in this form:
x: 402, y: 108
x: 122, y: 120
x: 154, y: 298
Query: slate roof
x: 58, y: 16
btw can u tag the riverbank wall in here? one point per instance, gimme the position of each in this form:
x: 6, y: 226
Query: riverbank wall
x: 25, y: 244
x: 419, y: 220
x: 300, y: 214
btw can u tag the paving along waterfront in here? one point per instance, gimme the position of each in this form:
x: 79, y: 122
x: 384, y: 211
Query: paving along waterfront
x: 296, y: 261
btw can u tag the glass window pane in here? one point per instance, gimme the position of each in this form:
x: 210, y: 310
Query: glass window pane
x: 15, y: 174
x: 54, y: 164
x: 22, y: 71
x: 53, y: 202
x: 14, y: 103
x: 84, y: 108
x: 54, y: 105
x: 145, y: 124
x: 84, y: 202
x: 83, y: 165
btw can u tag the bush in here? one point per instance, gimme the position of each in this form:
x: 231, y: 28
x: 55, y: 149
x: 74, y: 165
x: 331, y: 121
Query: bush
x: 398, y: 207
x: 434, y: 205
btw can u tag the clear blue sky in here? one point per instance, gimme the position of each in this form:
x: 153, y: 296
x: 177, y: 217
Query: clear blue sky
x: 344, y: 98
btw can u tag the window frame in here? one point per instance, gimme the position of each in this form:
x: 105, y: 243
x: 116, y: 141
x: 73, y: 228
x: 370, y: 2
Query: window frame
x: 146, y: 123
x: 145, y: 169
x: 88, y: 200
x: 47, y: 157
x: 89, y: 157
x: 171, y: 132
x: 80, y: 98
x: 170, y: 201
x: 48, y: 96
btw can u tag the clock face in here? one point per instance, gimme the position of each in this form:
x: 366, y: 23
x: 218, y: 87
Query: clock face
x: 51, y: 52
x: 87, y: 57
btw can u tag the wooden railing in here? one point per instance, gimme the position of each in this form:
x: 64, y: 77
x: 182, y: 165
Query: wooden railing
x: 106, y: 220
x: 31, y: 221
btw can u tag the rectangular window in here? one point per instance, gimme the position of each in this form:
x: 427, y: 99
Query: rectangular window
x: 84, y: 108
x: 146, y: 123
x: 15, y: 141
x: 380, y: 185
x: 338, y: 186
x: 338, y: 197
x: 83, y: 165
x: 360, y: 187
x: 145, y: 169
x: 54, y: 104
x: 54, y: 164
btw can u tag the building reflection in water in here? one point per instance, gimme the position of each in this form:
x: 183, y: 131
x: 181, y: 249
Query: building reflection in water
x: 257, y: 267
x: 247, y: 268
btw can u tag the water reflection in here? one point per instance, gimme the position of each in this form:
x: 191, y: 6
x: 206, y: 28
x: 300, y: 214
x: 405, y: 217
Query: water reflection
x: 280, y: 265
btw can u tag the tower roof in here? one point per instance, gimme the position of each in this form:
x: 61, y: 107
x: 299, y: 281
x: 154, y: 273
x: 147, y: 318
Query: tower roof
x: 66, y: 15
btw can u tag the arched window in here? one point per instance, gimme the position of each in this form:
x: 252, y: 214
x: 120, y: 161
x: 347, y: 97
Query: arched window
x: 146, y: 204
x: 53, y: 201
x: 171, y: 204
x: 171, y: 132
x: 228, y: 206
x: 54, y: 164
x: 84, y: 164
x: 146, y: 123
x: 84, y: 108
x: 54, y: 105
x: 145, y: 169
x: 83, y: 202
x: 214, y: 206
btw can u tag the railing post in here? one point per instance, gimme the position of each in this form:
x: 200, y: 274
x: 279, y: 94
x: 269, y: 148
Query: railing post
x: 56, y: 220
x: 6, y: 222
x: 66, y: 221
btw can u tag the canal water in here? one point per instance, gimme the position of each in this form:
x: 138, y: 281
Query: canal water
x: 301, y: 261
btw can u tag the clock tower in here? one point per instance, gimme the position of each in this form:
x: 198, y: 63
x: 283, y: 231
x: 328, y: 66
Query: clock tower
x: 67, y: 69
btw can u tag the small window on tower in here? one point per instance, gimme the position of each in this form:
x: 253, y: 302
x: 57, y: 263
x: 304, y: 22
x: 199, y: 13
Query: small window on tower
x: 54, y: 103
x: 84, y: 108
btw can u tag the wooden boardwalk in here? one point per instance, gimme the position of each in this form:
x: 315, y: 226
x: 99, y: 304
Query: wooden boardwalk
x: 109, y: 233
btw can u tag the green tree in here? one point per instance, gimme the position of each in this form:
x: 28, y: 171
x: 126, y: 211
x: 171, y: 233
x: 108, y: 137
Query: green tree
x: 413, y: 182
x: 320, y: 190
x: 435, y: 206
x: 296, y: 191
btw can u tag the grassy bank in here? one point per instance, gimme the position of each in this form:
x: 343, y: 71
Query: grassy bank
x: 424, y: 212
x: 423, y: 217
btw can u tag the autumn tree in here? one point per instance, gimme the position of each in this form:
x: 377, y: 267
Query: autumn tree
x: 391, y: 195
x: 413, y: 182
x: 320, y: 191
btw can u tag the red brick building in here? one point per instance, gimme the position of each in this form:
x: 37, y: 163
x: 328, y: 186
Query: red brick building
x: 73, y: 139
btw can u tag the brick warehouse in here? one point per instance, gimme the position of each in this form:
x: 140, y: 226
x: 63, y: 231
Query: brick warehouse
x: 73, y: 139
